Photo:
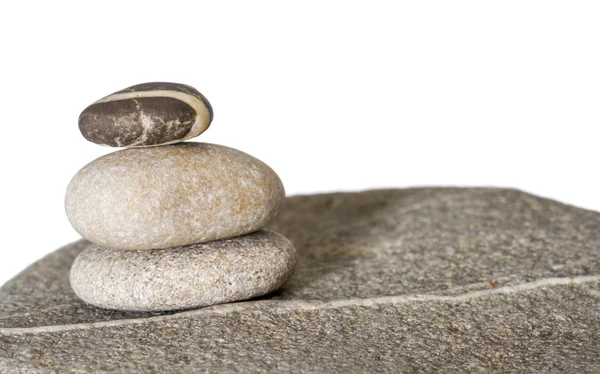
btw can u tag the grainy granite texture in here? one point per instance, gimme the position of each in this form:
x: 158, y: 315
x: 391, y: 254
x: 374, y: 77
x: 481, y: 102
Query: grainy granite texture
x: 419, y: 280
x: 185, y: 277
x: 147, y: 114
x: 171, y: 196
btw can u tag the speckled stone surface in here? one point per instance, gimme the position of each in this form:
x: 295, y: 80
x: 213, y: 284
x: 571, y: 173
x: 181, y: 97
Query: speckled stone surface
x: 147, y: 114
x: 171, y: 196
x: 417, y: 280
x: 185, y: 277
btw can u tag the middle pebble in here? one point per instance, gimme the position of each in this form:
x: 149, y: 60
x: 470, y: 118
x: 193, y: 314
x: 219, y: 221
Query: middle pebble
x: 172, y: 196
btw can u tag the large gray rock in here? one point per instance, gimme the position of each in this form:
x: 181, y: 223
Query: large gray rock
x: 448, y: 279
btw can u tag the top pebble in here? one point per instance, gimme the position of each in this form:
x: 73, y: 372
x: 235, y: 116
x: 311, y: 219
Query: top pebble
x: 147, y: 114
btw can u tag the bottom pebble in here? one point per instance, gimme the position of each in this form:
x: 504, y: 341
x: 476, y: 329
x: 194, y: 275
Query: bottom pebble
x: 184, y: 277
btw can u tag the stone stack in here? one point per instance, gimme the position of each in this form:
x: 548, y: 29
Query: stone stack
x: 173, y: 226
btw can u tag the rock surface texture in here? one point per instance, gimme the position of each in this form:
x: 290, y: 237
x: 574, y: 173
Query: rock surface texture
x: 179, y: 278
x: 169, y: 196
x: 418, y: 280
x: 147, y: 114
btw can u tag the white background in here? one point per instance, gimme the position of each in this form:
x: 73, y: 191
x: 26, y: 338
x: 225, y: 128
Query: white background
x: 332, y: 95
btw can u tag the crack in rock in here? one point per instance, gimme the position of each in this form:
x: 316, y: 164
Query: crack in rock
x: 284, y: 306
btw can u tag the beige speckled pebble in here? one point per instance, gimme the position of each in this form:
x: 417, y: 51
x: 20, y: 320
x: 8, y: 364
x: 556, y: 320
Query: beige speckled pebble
x: 172, y: 196
x: 186, y: 277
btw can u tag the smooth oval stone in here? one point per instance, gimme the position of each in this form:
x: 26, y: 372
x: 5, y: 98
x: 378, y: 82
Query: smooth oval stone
x: 147, y: 114
x: 171, y: 196
x: 198, y: 275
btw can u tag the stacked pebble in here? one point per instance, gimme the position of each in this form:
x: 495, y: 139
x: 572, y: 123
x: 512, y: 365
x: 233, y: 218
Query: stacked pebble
x: 173, y: 226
